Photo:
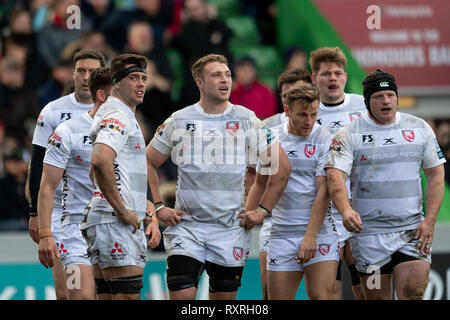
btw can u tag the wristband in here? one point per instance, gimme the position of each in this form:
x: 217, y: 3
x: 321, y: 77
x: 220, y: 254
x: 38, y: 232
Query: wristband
x: 45, y: 233
x: 263, y: 210
x: 32, y: 214
x: 159, y: 206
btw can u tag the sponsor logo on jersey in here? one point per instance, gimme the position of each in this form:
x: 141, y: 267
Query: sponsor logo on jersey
x: 319, y: 121
x: 389, y: 141
x: 191, y: 127
x: 113, y: 124
x: 291, y: 153
x: 87, y: 140
x: 363, y: 158
x: 65, y: 116
x: 232, y: 127
x: 368, y: 140
x: 78, y: 158
x: 336, y: 124
x: 324, y: 249
x: 238, y: 253
x: 160, y: 129
x: 309, y: 150
x: 40, y: 121
x: 55, y: 140
x: 335, y: 146
x: 438, y: 149
x: 408, y: 135
x: 354, y: 115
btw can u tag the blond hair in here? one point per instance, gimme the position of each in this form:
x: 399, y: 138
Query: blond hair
x: 199, y: 65
x: 305, y: 92
x: 327, y: 54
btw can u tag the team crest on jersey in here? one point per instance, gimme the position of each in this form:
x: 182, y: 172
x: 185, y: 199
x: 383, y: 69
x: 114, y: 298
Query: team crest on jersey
x: 324, y: 249
x: 310, y: 149
x: 354, y: 115
x: 238, y: 253
x: 232, y: 127
x: 55, y: 140
x: 408, y: 135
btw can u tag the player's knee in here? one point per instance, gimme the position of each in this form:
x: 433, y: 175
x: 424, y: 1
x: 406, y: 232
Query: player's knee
x: 102, y: 286
x: 126, y: 285
x: 414, y: 291
x: 183, y: 272
x: 223, y: 279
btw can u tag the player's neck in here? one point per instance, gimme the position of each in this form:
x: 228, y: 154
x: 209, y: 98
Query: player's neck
x: 213, y: 107
x: 330, y: 102
x: 82, y: 100
x: 131, y: 106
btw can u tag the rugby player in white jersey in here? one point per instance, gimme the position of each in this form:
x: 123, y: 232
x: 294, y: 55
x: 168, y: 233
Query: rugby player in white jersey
x: 383, y: 153
x: 112, y: 225
x: 336, y: 110
x: 285, y: 81
x: 302, y: 241
x: 54, y: 113
x: 212, y: 142
x: 68, y: 157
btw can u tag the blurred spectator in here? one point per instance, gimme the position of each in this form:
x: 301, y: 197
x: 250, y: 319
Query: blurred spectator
x: 157, y: 12
x: 53, y: 88
x: 295, y: 57
x: 250, y: 93
x: 201, y: 34
x: 90, y: 40
x: 97, y: 11
x: 14, y: 212
x: 21, y: 44
x: 55, y: 35
x: 264, y: 12
x: 18, y: 103
x: 157, y: 105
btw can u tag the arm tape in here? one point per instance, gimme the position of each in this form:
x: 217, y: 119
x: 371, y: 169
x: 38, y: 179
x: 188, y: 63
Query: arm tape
x: 36, y: 166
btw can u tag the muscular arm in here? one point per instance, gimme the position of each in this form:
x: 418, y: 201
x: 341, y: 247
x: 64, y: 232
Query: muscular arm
x: 32, y: 185
x: 338, y: 192
x: 155, y: 159
x: 256, y: 191
x: 434, y: 196
x: 103, y: 169
x: 308, y: 245
x: 51, y: 176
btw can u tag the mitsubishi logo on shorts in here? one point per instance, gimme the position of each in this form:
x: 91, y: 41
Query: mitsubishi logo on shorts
x: 61, y: 249
x: 116, y: 248
x: 138, y: 146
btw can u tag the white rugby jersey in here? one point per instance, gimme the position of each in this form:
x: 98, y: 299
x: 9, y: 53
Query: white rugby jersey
x: 54, y: 113
x: 115, y: 125
x: 212, y: 152
x: 307, y: 156
x: 70, y: 148
x: 339, y: 116
x: 383, y: 162
x: 276, y: 119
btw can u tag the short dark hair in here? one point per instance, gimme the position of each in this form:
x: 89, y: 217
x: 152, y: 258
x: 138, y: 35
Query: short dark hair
x: 292, y: 76
x: 119, y: 62
x: 89, y: 54
x: 100, y: 79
